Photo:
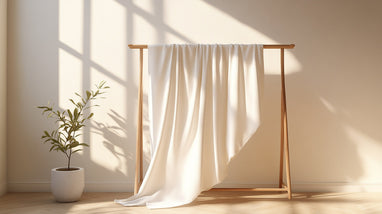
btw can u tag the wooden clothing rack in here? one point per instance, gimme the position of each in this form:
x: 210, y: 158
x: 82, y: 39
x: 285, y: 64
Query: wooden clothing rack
x: 284, y: 144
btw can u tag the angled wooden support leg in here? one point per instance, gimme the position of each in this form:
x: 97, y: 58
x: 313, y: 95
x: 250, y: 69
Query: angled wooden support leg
x: 284, y: 131
x: 139, y: 146
x: 281, y: 172
x: 287, y: 160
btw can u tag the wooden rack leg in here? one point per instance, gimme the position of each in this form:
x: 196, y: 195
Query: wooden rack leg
x: 284, y: 126
x: 287, y: 160
x: 281, y: 172
x: 139, y: 149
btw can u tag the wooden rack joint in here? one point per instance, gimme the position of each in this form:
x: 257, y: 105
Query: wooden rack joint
x: 284, y: 143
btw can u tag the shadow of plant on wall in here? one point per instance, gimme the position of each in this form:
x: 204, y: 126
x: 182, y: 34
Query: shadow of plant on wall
x: 115, y: 138
x: 119, y: 132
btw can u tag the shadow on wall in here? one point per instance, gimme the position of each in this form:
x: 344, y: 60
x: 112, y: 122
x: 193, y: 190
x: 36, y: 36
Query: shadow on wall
x: 325, y: 100
x: 156, y: 20
x: 113, y: 142
x: 118, y: 139
x: 336, y: 91
x: 37, y: 74
x: 319, y: 105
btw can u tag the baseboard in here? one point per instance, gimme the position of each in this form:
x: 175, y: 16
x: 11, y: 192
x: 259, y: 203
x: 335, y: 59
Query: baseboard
x: 337, y: 187
x: 109, y: 187
x: 89, y: 187
x: 129, y: 187
x: 316, y: 187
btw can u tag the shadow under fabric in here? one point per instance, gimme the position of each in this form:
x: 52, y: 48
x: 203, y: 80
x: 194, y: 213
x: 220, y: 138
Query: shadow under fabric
x: 203, y: 108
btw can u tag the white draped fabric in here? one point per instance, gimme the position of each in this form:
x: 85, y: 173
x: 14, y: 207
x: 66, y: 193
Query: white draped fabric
x: 203, y: 108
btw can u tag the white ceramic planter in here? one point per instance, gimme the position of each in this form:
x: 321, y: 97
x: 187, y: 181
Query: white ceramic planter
x: 67, y: 186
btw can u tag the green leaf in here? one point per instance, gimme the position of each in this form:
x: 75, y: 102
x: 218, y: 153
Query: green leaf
x: 75, y: 114
x: 62, y: 139
x: 71, y: 100
x: 74, y: 144
x: 51, y: 148
x: 62, y: 126
x: 76, y: 151
x: 61, y: 149
x: 101, y: 84
x: 70, y: 114
x: 91, y: 115
x: 55, y: 141
x: 88, y: 94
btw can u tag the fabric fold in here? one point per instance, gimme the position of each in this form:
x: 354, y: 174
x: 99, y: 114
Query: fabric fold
x: 203, y: 108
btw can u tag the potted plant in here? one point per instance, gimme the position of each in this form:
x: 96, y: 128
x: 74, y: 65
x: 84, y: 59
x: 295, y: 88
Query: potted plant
x: 67, y: 183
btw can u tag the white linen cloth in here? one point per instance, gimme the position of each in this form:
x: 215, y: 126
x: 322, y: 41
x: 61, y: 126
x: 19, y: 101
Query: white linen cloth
x: 203, y: 107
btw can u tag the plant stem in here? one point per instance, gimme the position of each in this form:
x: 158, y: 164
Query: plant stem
x: 70, y: 154
x: 66, y: 154
x: 69, y: 157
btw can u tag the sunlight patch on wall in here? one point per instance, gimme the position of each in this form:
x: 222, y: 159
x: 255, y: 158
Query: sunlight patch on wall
x: 110, y: 158
x: 369, y: 151
x: 144, y: 31
x: 93, y: 45
x: 272, y: 64
x: 71, y: 23
x: 70, y: 78
x: 108, y: 139
x: 215, y: 26
x: 108, y: 37
x: 147, y: 5
x: 71, y: 35
x: 328, y: 105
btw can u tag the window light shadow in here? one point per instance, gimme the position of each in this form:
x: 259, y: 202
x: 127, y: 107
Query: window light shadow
x: 322, y: 147
x: 311, y: 122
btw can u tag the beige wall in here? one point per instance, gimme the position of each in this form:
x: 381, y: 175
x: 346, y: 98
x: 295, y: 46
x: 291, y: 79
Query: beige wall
x: 333, y: 79
x: 3, y: 93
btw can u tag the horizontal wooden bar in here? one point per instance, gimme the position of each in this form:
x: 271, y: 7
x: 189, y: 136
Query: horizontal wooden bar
x: 287, y: 46
x: 138, y: 46
x: 250, y: 189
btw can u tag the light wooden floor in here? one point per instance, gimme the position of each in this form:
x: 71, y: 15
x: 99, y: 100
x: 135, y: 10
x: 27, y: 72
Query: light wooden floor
x: 210, y: 202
